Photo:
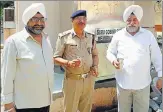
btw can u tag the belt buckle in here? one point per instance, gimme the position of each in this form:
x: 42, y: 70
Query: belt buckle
x: 84, y: 76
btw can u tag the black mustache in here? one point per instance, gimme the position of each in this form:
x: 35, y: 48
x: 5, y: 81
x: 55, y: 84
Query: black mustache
x: 81, y: 23
x: 38, y: 26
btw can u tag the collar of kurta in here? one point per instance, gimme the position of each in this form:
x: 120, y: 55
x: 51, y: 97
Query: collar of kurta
x: 26, y: 35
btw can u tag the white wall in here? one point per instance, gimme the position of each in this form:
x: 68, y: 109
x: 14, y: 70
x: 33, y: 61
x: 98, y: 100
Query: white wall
x: 148, y: 19
x: 59, y: 13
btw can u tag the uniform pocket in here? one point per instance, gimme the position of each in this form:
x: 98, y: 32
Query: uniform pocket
x: 72, y: 47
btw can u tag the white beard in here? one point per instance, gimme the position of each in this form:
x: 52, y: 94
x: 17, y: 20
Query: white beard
x: 132, y: 29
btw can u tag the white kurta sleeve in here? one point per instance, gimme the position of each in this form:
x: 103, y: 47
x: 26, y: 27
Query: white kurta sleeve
x: 112, y: 49
x: 8, y: 70
x: 156, y: 55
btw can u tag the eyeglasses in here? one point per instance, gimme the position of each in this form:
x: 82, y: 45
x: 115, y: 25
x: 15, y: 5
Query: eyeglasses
x: 36, y: 19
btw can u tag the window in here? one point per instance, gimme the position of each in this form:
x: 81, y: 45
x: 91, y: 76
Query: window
x: 9, y: 14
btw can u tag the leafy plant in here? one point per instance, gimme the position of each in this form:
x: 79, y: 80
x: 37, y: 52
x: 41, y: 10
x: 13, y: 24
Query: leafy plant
x: 5, y: 4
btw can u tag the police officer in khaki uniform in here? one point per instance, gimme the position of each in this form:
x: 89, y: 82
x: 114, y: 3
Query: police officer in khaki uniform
x: 76, y: 52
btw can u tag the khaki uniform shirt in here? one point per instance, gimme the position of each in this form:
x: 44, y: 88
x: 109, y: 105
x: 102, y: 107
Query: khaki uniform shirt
x: 70, y: 47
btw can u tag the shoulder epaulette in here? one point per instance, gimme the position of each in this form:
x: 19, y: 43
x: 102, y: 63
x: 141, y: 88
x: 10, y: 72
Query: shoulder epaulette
x: 88, y: 33
x: 64, y: 33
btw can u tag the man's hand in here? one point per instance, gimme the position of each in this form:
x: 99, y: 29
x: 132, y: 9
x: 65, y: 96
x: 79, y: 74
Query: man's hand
x: 9, y: 106
x: 74, y: 63
x: 94, y: 71
x: 116, y: 64
x: 159, y: 83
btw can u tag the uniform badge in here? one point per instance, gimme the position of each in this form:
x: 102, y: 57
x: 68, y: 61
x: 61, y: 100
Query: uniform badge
x: 89, y: 50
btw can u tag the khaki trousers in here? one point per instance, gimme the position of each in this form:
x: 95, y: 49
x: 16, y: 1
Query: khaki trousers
x: 139, y: 99
x: 78, y: 94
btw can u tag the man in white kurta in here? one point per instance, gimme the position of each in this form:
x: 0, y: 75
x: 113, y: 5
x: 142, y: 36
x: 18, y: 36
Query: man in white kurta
x: 27, y: 65
x: 138, y: 48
